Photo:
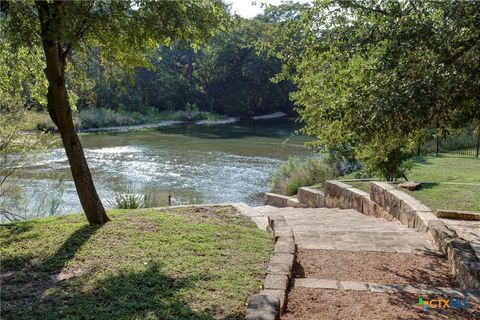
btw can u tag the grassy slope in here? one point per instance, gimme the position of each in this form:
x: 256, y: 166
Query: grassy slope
x: 144, y: 264
x: 449, y: 182
x: 441, y: 171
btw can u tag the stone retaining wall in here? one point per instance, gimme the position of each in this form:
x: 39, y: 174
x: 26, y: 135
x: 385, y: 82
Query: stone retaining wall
x: 385, y: 201
x: 271, y: 300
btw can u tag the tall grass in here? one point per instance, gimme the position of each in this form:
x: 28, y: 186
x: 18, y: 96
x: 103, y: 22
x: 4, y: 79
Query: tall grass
x: 296, y: 173
x: 128, y: 197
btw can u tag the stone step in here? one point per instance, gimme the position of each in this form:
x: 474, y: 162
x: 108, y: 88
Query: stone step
x: 318, y: 244
x: 380, y: 287
x: 266, y: 208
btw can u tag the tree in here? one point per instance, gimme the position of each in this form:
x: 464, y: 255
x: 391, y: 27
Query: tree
x: 123, y: 32
x: 235, y: 78
x: 379, y: 75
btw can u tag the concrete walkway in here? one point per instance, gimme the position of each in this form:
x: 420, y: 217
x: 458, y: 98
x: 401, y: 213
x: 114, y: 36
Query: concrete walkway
x: 337, y: 232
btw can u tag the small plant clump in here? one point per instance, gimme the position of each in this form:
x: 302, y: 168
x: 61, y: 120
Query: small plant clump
x: 296, y: 173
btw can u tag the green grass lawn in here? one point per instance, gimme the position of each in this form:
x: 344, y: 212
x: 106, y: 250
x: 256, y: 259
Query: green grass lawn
x: 144, y: 264
x: 449, y: 182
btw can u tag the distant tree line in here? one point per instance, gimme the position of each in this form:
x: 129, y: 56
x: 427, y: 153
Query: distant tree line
x: 227, y: 75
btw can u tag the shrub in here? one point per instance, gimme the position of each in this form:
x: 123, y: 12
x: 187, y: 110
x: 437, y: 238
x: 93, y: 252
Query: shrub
x: 128, y: 197
x: 296, y: 173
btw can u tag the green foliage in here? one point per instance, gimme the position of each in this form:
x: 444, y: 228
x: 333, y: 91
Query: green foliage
x: 187, y: 263
x: 378, y: 75
x: 102, y: 40
x: 126, y: 201
x: 155, y: 71
x: 224, y: 76
x: 296, y: 173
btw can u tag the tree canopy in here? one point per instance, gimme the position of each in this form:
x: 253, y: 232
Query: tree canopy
x: 379, y: 75
x: 122, y: 33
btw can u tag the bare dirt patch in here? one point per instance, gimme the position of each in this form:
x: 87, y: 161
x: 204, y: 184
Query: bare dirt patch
x: 369, y: 266
x: 315, y: 304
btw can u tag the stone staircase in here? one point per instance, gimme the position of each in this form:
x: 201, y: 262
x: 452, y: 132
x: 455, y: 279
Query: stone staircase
x: 339, y: 229
x: 345, y: 254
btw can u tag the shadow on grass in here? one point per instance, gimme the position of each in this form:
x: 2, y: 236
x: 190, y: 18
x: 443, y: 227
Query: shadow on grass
x: 15, y: 232
x: 139, y: 292
x: 429, y: 185
x: 421, y: 160
x: 67, y: 251
x: 54, y: 263
x: 128, y: 294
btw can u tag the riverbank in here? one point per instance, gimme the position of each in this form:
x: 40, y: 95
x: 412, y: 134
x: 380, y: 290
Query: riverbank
x: 160, y: 124
x: 184, y: 263
x: 167, y: 123
x: 107, y: 120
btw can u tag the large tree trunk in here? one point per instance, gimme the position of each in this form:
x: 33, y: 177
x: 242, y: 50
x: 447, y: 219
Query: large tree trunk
x: 51, y: 15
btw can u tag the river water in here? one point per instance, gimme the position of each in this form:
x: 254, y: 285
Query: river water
x: 195, y: 163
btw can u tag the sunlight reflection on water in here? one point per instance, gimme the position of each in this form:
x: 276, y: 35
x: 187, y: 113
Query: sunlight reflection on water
x: 227, y: 163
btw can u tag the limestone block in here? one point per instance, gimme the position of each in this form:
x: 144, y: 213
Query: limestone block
x: 274, y: 219
x: 463, y: 263
x: 278, y: 294
x: 285, y: 245
x: 280, y: 269
x: 263, y: 307
x: 294, y: 203
x: 283, y: 258
x: 334, y: 194
x: 377, y: 192
x: 275, y: 282
x: 310, y: 197
x: 455, y: 214
x: 393, y: 202
x: 353, y: 199
x: 422, y: 219
x: 410, y: 185
x: 276, y: 200
x: 368, y: 206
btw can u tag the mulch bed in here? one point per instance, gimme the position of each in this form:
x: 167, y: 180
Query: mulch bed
x: 319, y: 304
x: 379, y: 267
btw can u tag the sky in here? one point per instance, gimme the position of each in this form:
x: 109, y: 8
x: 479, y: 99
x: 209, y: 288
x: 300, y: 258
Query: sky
x: 250, y: 8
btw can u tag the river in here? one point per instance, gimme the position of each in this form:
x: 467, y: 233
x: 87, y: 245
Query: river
x: 195, y: 163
